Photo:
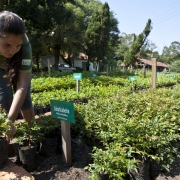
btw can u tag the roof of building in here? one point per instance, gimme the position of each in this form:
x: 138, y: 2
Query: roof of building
x: 82, y: 56
x: 150, y: 62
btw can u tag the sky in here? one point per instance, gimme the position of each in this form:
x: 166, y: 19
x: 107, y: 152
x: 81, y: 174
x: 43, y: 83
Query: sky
x: 133, y: 15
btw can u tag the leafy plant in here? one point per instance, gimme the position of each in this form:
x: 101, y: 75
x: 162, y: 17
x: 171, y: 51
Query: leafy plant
x: 115, y: 160
x: 28, y: 132
x: 48, y: 125
x: 123, y: 122
x: 4, y: 128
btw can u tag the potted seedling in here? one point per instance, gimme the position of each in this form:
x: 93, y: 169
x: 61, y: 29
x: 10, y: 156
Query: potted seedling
x: 28, y: 135
x: 49, y: 128
x: 4, y: 128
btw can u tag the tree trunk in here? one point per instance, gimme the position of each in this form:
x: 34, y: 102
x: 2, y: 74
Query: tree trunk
x: 37, y: 62
x: 88, y: 64
x: 68, y: 60
x: 56, y: 55
x: 98, y: 64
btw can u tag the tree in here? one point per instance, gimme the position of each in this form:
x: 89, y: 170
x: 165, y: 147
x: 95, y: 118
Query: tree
x: 58, y: 18
x: 75, y: 30
x: 59, y: 21
x: 113, y: 43
x: 97, y: 34
x: 130, y: 55
x: 64, y: 33
x: 175, y: 66
x: 100, y: 34
x: 171, y: 53
x: 165, y: 56
x: 147, y: 50
x: 37, y: 42
x: 175, y: 49
x: 123, y: 46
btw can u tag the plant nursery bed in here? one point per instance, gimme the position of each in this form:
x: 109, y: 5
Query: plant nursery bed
x: 54, y: 168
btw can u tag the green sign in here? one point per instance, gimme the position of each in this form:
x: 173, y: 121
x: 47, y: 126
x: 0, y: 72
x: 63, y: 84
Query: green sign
x: 132, y: 78
x: 77, y: 76
x: 62, y: 110
x: 170, y: 75
x: 42, y: 80
x: 94, y: 75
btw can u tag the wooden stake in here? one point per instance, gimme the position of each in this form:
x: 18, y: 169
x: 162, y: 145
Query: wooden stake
x: 66, y: 142
x: 154, y: 76
x: 77, y: 86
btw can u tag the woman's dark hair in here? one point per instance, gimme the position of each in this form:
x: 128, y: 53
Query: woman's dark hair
x: 11, y: 23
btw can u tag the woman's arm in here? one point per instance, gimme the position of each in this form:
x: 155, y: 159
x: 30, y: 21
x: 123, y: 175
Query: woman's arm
x: 20, y: 94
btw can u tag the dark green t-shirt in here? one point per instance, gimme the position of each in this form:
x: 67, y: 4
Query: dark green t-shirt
x: 26, y: 62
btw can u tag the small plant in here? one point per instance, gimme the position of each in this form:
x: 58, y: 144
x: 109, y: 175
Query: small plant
x: 28, y: 132
x: 47, y: 125
x: 28, y: 135
x: 114, y: 161
x: 4, y: 123
x: 5, y: 126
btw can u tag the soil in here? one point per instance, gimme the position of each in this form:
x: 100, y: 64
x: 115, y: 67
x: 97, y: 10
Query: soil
x: 54, y: 168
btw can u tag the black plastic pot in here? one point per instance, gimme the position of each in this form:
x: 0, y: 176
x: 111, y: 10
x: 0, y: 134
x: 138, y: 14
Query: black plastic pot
x: 39, y: 110
x: 103, y: 176
x: 142, y: 172
x: 28, y: 157
x: 45, y: 109
x: 155, y: 169
x: 16, y: 152
x: 3, y: 151
x: 144, y: 169
x: 49, y: 146
x: 48, y: 108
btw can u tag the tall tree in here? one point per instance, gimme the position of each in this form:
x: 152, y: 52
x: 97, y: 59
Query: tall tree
x: 123, y: 46
x: 171, y: 53
x: 75, y: 30
x: 165, y: 56
x: 114, y: 40
x: 130, y: 55
x: 58, y: 19
x: 90, y: 7
x: 175, y: 66
x: 147, y: 50
x: 97, y: 34
x: 39, y: 46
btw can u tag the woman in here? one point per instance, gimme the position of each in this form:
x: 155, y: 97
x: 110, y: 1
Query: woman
x: 15, y: 69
